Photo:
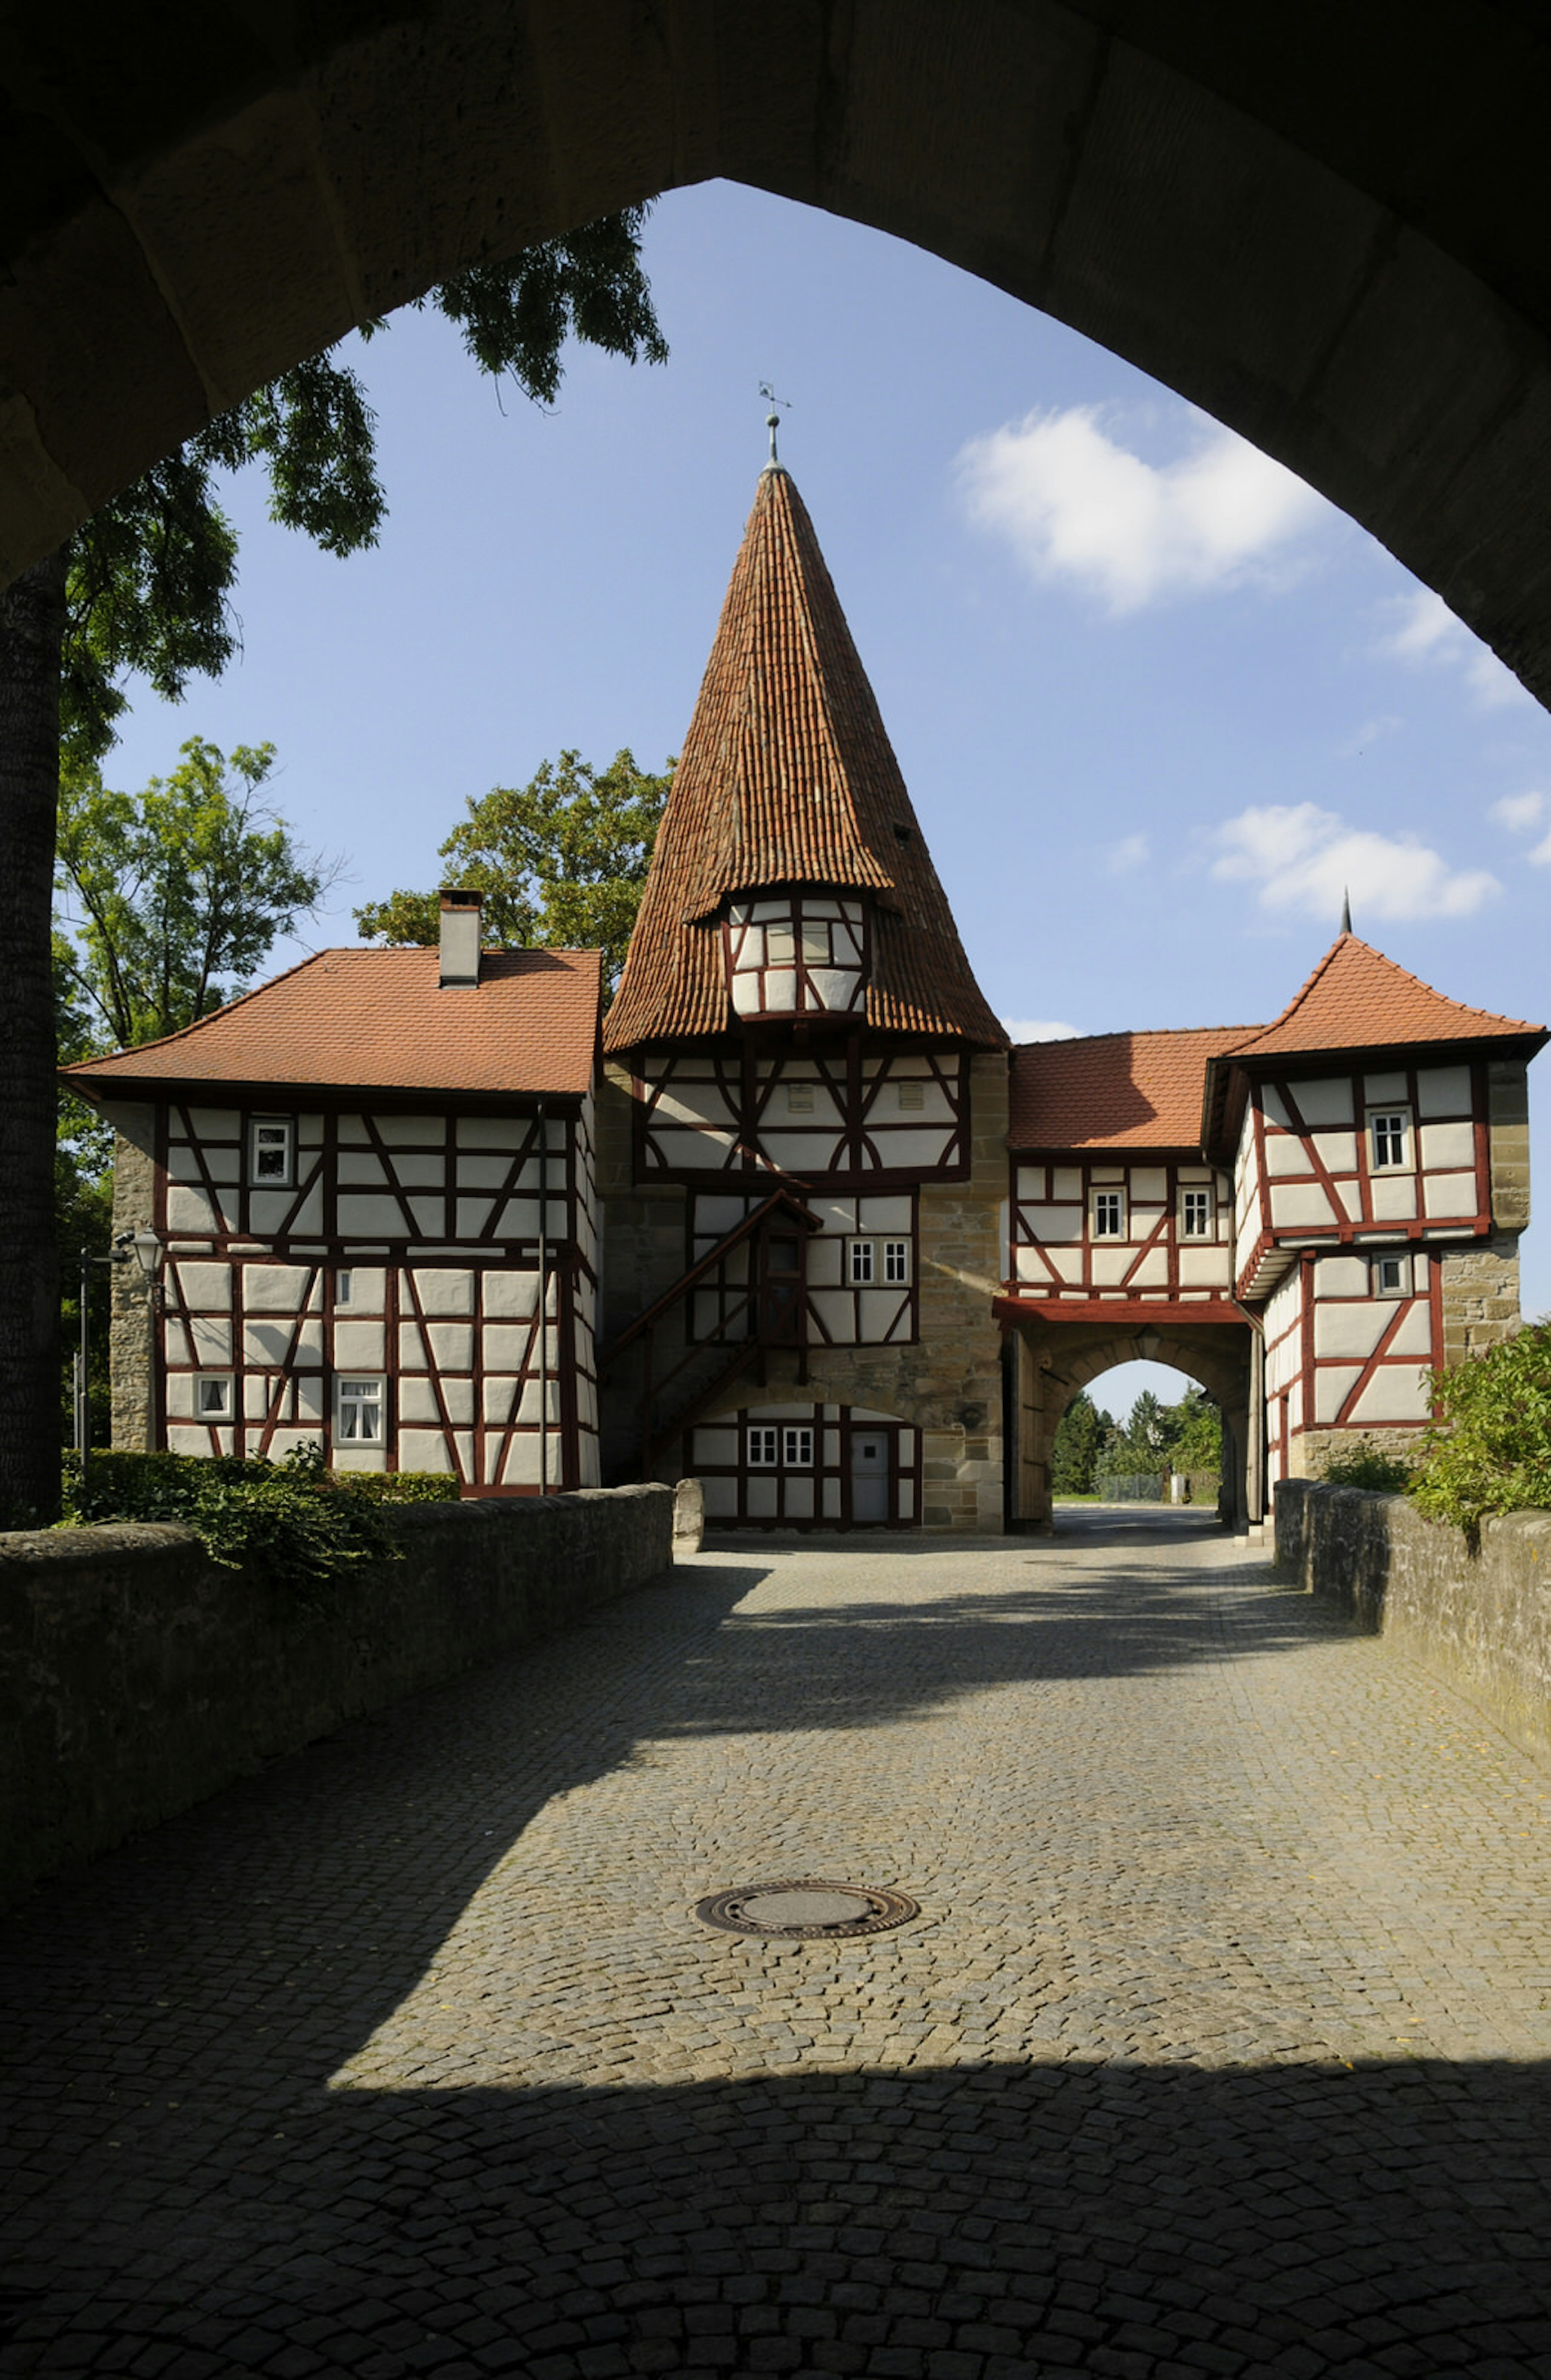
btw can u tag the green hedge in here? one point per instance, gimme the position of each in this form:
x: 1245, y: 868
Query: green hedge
x: 1494, y: 1452
x: 291, y: 1521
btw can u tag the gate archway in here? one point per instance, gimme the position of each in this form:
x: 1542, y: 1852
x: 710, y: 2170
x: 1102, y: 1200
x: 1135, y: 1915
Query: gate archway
x: 1050, y: 1362
x: 1325, y: 231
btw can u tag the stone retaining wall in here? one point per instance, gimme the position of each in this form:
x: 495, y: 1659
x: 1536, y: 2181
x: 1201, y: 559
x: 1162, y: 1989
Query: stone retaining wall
x: 1483, y: 1620
x: 137, y: 1677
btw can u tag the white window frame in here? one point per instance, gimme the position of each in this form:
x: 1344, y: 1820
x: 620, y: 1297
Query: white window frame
x: 1385, y: 1117
x: 861, y: 1264
x: 896, y: 1263
x: 286, y: 1178
x: 226, y: 1383
x: 1189, y: 1190
x: 762, y: 1446
x: 796, y: 1446
x: 1401, y: 1284
x: 1099, y: 1201
x: 352, y: 1390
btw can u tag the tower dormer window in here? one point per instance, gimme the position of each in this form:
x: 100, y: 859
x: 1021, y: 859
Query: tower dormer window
x: 797, y: 953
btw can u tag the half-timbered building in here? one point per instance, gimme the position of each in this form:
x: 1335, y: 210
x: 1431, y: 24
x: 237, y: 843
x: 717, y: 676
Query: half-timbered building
x: 372, y: 1178
x: 854, y: 1258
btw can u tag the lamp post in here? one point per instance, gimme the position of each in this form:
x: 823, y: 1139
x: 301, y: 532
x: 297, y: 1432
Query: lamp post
x: 143, y: 1246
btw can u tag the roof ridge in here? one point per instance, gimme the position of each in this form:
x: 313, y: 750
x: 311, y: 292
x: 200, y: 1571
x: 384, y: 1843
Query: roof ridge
x: 1349, y: 942
x: 1134, y: 1033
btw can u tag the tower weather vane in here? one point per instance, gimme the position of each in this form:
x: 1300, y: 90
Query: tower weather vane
x: 772, y: 420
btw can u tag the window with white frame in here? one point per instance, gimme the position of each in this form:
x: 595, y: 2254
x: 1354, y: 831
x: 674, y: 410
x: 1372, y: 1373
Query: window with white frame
x: 271, y: 1160
x: 764, y: 1448
x: 896, y: 1262
x: 1109, y: 1215
x: 1195, y: 1214
x: 1391, y: 1276
x: 798, y: 1449
x: 862, y: 1264
x: 359, y: 1411
x: 1389, y: 1140
x: 216, y: 1396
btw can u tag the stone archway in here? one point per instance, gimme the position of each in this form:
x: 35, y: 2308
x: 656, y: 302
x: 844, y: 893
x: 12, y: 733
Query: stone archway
x: 1050, y: 1362
x: 1327, y: 231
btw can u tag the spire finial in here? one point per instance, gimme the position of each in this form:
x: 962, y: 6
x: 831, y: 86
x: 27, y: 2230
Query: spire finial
x: 1346, y: 911
x: 772, y: 420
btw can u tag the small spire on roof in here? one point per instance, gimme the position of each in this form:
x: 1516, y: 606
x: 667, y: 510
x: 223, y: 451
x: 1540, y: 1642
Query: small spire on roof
x: 1346, y: 911
x: 773, y: 421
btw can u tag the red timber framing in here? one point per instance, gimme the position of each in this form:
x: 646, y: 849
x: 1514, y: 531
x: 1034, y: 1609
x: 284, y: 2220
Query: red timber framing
x: 845, y: 1107
x: 817, y: 1490
x: 404, y: 1251
x: 1056, y: 1255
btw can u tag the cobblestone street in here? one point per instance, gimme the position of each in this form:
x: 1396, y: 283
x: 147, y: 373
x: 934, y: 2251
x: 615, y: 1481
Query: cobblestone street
x: 1219, y: 2046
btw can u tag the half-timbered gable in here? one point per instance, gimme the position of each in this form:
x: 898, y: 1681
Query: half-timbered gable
x: 374, y: 1180
x: 796, y: 1015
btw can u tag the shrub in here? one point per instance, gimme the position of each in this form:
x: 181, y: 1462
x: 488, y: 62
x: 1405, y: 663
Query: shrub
x: 1494, y: 1454
x: 292, y: 1522
x: 1366, y: 1466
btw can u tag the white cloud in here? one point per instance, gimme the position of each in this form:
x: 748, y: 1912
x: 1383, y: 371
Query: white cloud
x: 1541, y: 856
x: 1385, y: 724
x: 1519, y: 812
x: 1075, y: 503
x: 1132, y: 852
x: 1299, y: 856
x: 1037, y: 1028
x: 1426, y: 631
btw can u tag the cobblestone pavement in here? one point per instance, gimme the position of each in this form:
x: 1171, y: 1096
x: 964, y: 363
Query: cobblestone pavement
x: 1219, y: 2046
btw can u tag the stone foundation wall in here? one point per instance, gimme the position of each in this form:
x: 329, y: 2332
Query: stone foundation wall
x: 137, y: 1677
x: 1312, y: 1448
x: 1482, y: 1620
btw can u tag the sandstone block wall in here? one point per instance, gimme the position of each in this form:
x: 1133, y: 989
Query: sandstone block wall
x: 137, y: 1677
x: 1479, y: 1295
x: 1483, y: 1620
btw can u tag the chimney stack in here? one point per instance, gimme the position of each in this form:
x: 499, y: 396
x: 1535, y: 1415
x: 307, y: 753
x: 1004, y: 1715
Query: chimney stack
x: 460, y: 939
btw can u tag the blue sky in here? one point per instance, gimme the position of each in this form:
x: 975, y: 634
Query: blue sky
x: 1155, y: 701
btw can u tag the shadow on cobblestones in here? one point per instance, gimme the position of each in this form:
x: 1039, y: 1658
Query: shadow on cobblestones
x: 956, y: 2225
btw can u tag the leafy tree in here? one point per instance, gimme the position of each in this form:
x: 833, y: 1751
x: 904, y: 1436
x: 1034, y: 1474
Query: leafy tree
x: 562, y: 861
x: 1080, y: 1438
x: 1494, y: 1453
x: 1196, y: 1433
x: 144, y: 586
x: 176, y: 895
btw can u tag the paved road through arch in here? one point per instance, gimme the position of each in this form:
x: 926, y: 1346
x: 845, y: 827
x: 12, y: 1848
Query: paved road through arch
x: 1219, y: 2046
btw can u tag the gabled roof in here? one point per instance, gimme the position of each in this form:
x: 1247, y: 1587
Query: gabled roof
x: 787, y: 777
x: 376, y: 1020
x: 1356, y: 998
x: 1114, y: 1090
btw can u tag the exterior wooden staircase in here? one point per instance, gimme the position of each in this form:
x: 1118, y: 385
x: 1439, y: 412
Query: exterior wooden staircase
x: 758, y: 1276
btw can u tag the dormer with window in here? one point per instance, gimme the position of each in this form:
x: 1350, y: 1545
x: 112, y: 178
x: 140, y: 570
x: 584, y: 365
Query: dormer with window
x: 797, y: 953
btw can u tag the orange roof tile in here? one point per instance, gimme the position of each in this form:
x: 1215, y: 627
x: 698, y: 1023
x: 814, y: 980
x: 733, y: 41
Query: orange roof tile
x: 787, y: 777
x: 376, y: 1020
x: 1114, y: 1090
x: 1356, y: 998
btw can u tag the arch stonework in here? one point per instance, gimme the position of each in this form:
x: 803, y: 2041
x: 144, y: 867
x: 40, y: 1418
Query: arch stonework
x: 1049, y: 1363
x: 1325, y: 228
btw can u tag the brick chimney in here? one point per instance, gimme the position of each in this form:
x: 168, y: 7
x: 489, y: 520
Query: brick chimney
x: 460, y: 939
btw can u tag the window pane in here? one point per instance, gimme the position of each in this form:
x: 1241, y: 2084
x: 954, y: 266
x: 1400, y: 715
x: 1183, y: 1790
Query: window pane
x: 780, y: 947
x: 799, y: 1448
x: 816, y: 942
x: 861, y: 1260
x: 896, y: 1261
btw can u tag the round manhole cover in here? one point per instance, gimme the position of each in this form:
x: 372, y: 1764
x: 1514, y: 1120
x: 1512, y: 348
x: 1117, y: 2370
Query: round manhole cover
x: 807, y: 1909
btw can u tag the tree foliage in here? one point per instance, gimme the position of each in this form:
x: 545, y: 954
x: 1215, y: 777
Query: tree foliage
x: 1081, y: 1435
x: 174, y: 895
x: 562, y: 861
x: 1493, y: 1454
x: 1183, y: 1437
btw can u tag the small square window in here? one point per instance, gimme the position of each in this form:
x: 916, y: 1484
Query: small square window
x: 1195, y: 1214
x: 360, y: 1413
x: 896, y: 1262
x: 273, y: 1152
x: 912, y: 1095
x: 763, y: 1449
x: 1389, y: 1131
x: 798, y: 1449
x: 1109, y: 1215
x: 799, y: 1098
x: 862, y: 1266
x: 214, y: 1396
x: 1392, y: 1276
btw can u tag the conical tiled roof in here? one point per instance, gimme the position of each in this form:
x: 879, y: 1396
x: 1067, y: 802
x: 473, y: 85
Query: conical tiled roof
x: 787, y: 777
x: 1356, y: 998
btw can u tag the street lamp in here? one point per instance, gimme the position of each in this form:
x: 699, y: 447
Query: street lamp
x: 142, y: 1247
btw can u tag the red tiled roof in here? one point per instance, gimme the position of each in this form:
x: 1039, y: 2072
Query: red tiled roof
x: 787, y: 777
x: 376, y: 1020
x: 1356, y: 998
x: 1114, y: 1090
